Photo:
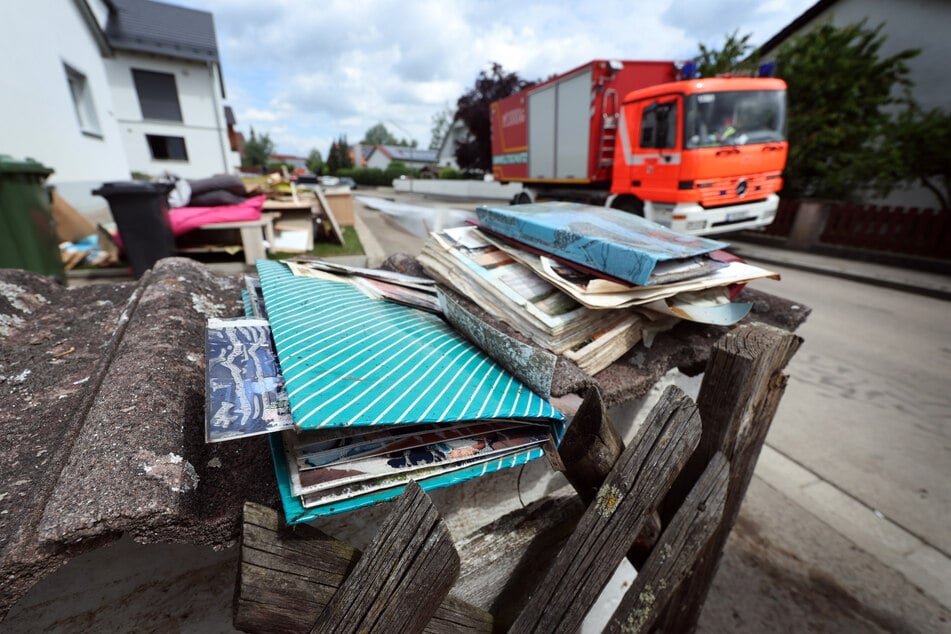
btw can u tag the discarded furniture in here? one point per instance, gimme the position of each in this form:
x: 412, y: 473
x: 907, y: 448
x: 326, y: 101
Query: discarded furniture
x: 667, y: 502
x: 257, y: 237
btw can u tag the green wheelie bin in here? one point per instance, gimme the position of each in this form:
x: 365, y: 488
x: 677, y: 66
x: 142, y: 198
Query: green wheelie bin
x: 28, y: 238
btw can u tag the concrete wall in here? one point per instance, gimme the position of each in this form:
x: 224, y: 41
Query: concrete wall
x: 489, y: 190
x: 37, y: 116
x: 203, y: 125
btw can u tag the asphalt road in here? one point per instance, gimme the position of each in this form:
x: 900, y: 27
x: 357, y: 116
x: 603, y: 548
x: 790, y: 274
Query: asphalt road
x: 868, y: 405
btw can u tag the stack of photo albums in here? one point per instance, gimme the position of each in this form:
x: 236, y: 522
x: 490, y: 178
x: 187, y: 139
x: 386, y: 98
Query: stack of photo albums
x: 587, y: 282
x: 362, y: 385
x: 360, y: 395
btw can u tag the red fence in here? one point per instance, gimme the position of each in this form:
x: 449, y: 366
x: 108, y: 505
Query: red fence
x: 785, y: 215
x: 911, y: 231
x: 908, y: 231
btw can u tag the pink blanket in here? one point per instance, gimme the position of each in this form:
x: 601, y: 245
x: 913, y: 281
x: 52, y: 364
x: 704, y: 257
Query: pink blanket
x: 184, y: 219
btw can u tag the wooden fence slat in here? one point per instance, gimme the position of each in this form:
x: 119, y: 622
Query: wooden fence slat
x: 678, y: 548
x: 589, y: 451
x: 590, y: 447
x: 607, y: 529
x: 287, y: 575
x: 402, y: 577
x: 741, y: 389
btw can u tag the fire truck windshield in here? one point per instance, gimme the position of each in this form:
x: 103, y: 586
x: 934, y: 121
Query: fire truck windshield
x: 741, y: 117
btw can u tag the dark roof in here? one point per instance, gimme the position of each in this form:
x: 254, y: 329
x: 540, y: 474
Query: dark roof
x: 400, y: 153
x: 229, y: 116
x: 807, y: 16
x: 155, y: 27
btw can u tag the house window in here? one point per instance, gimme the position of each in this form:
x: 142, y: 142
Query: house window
x: 158, y: 96
x: 82, y: 101
x: 167, y: 148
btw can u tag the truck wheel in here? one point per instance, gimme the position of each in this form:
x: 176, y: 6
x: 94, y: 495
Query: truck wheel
x: 628, y: 203
x: 522, y: 198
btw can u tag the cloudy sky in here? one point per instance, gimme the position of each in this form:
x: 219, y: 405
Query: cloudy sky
x: 307, y: 72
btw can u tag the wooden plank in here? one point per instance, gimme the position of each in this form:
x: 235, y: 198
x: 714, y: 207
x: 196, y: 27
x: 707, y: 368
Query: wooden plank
x: 589, y: 451
x: 287, y: 575
x: 676, y: 552
x: 610, y: 524
x: 329, y: 215
x: 403, y: 576
x: 741, y: 389
x: 590, y: 447
x: 502, y: 561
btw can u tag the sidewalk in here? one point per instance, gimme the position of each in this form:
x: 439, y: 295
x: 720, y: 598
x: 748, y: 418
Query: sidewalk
x: 919, y: 282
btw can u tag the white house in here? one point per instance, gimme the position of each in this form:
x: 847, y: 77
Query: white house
x: 918, y: 24
x: 446, y: 156
x: 382, y: 155
x: 99, y: 89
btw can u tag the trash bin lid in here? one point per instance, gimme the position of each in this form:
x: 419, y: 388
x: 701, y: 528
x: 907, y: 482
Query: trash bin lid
x: 9, y: 165
x: 133, y: 187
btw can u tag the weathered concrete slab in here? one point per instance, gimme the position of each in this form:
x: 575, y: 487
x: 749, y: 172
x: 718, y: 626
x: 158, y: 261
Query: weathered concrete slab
x: 105, y: 430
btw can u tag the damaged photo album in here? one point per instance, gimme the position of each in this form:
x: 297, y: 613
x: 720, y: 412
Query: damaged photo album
x: 360, y: 395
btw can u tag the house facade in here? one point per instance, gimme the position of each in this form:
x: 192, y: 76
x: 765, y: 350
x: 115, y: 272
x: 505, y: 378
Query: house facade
x: 100, y: 89
x: 457, y: 132
x: 916, y: 24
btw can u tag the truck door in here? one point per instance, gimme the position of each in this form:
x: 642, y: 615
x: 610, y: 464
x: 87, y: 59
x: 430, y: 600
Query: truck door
x: 653, y: 136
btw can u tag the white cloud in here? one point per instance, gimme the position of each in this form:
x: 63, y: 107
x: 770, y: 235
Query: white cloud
x: 308, y: 72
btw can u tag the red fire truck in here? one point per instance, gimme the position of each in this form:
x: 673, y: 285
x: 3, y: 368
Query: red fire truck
x: 701, y: 156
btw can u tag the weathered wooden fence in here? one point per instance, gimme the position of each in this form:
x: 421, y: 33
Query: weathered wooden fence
x: 667, y: 503
x: 912, y: 231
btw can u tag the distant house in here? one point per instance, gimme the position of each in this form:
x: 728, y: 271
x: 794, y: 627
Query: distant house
x: 922, y: 24
x: 99, y: 89
x: 381, y: 156
x: 458, y: 132
x: 293, y: 162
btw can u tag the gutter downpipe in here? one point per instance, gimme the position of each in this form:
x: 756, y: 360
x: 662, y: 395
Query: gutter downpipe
x: 217, y: 107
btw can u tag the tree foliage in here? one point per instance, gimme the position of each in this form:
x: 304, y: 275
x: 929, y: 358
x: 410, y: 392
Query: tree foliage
x: 440, y: 127
x: 842, y: 94
x: 475, y: 154
x: 338, y: 157
x: 733, y: 57
x: 315, y: 162
x: 379, y: 135
x: 257, y: 151
x: 922, y: 139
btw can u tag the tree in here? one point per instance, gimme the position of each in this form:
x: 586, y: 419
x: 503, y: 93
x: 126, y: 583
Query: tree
x: 922, y: 140
x: 472, y: 108
x: 841, y: 97
x: 257, y: 151
x: 315, y: 161
x: 731, y: 58
x: 378, y: 135
x: 440, y: 127
x: 338, y: 157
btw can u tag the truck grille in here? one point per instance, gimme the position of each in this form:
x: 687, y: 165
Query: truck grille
x: 729, y: 191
